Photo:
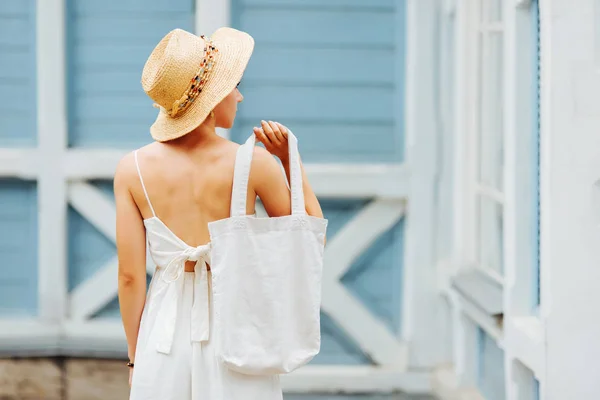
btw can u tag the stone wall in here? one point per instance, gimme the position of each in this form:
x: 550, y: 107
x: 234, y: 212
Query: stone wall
x: 63, y: 379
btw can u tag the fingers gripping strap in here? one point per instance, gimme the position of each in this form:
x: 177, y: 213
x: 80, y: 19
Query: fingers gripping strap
x: 242, y: 173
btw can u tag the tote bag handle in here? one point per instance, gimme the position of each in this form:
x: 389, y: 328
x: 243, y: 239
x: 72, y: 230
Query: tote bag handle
x: 241, y: 174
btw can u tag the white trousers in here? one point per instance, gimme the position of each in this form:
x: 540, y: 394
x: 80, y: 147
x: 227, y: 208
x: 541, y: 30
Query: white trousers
x: 192, y: 370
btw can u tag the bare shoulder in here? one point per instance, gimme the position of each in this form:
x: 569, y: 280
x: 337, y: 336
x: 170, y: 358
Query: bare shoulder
x: 126, y: 170
x: 263, y: 159
x: 266, y: 173
x: 264, y: 165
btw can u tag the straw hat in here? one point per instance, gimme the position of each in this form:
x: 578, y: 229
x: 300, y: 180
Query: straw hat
x: 188, y: 75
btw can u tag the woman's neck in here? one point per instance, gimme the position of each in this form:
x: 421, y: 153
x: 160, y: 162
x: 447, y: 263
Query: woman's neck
x: 200, y: 136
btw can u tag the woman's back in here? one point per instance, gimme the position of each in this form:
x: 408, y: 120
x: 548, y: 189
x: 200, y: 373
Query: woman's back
x: 188, y: 185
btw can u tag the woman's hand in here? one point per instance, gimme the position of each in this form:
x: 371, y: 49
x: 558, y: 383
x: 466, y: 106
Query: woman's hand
x: 275, y: 138
x: 266, y: 178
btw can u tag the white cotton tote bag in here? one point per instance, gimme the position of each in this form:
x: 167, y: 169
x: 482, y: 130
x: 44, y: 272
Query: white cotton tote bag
x: 266, y: 279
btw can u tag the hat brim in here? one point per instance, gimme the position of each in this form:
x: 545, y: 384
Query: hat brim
x: 234, y: 51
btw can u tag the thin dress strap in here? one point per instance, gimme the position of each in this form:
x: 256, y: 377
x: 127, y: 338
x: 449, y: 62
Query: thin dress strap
x: 137, y: 165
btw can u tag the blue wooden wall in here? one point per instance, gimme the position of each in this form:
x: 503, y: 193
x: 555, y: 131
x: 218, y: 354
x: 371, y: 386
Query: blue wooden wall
x: 328, y: 71
x: 17, y: 74
x: 18, y: 246
x: 18, y: 199
x: 108, y: 44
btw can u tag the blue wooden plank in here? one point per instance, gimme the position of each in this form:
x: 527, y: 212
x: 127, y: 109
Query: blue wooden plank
x: 376, y: 277
x: 17, y: 74
x: 360, y: 142
x: 341, y: 103
x: 107, y: 132
x: 14, y: 30
x: 15, y: 130
x: 12, y: 63
x: 121, y: 26
x: 16, y: 96
x: 109, y: 80
x: 131, y: 6
x: 18, y: 246
x: 14, y: 8
x: 383, y: 5
x: 491, y: 368
x: 100, y: 106
x: 327, y: 27
x: 129, y: 56
x: 323, y: 66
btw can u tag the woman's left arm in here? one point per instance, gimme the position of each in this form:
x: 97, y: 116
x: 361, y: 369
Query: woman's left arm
x: 131, y: 251
x: 274, y: 136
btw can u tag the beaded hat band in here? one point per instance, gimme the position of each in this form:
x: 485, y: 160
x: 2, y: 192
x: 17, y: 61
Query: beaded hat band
x: 196, y: 83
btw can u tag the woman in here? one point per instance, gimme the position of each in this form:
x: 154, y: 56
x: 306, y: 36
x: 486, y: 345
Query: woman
x: 167, y: 193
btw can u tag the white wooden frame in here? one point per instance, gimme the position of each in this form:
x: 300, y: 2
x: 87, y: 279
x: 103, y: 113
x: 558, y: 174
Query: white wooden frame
x: 522, y: 336
x: 52, y: 137
x: 459, y: 382
x: 474, y: 189
x: 524, y: 331
x: 464, y: 122
x: 421, y: 326
x: 62, y: 171
x: 467, y: 188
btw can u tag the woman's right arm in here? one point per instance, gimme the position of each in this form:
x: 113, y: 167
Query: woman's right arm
x: 131, y: 251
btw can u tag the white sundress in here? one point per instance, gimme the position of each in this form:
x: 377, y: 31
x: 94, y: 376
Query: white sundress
x: 176, y: 356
